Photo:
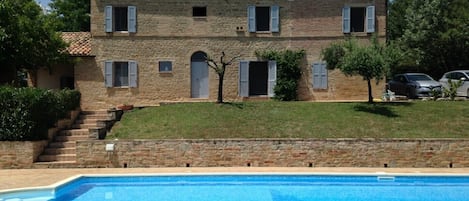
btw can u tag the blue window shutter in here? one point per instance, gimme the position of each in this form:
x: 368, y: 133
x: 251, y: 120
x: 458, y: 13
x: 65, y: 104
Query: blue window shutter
x: 252, y: 18
x: 108, y: 74
x: 133, y: 72
x: 274, y: 18
x: 319, y: 75
x: 108, y: 19
x: 316, y: 75
x: 272, y: 79
x: 323, y: 75
x: 370, y: 19
x: 132, y: 19
x: 244, y: 78
x: 346, y: 19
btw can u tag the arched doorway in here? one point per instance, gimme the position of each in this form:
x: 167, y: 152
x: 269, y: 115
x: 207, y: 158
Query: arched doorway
x: 199, y: 75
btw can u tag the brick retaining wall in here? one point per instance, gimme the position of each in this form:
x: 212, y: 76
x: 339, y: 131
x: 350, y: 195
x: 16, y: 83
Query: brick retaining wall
x: 277, y: 152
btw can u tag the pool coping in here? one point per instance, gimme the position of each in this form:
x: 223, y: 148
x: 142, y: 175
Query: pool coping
x: 53, y: 187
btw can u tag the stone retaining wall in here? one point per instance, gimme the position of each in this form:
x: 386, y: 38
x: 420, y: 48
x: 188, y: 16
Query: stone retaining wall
x: 420, y: 153
x: 20, y: 154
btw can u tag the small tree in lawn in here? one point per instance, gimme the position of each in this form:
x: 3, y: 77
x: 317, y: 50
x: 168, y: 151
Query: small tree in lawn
x: 370, y: 62
x: 220, y: 68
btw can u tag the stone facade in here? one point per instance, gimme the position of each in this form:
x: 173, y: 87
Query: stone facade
x: 167, y: 31
x: 398, y: 153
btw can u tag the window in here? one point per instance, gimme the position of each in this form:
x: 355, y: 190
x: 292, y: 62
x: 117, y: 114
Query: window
x: 165, y: 66
x: 319, y: 75
x: 263, y: 18
x: 120, y: 73
x: 199, y: 11
x: 358, y: 19
x: 121, y: 19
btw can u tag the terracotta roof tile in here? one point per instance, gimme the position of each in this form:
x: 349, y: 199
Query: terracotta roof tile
x: 80, y: 43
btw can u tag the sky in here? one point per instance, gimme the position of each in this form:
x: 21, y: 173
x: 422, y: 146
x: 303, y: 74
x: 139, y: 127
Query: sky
x: 43, y: 3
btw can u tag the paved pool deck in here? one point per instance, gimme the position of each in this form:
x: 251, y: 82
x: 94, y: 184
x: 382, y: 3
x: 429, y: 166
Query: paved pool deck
x: 24, y: 178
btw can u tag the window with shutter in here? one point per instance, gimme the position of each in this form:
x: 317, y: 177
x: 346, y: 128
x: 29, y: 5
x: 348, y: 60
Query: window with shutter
x: 263, y: 18
x: 358, y: 19
x: 122, y: 19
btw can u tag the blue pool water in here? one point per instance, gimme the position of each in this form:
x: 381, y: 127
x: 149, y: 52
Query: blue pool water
x: 255, y: 188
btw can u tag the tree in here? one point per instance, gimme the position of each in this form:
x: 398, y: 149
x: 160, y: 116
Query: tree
x: 220, y: 68
x: 27, y: 39
x: 72, y: 15
x: 396, y: 22
x: 370, y: 61
x: 435, y: 34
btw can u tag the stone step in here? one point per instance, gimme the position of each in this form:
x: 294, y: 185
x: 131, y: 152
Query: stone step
x: 69, y: 144
x: 57, y: 157
x: 55, y: 164
x: 74, y: 132
x: 87, y: 121
x: 89, y: 125
x: 94, y: 117
x: 67, y: 138
x: 56, y: 151
x: 91, y: 112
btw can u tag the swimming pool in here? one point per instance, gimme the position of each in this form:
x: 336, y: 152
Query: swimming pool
x: 254, y: 187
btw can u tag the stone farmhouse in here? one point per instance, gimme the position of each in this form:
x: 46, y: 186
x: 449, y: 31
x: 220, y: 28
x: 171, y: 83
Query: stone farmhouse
x: 144, y: 52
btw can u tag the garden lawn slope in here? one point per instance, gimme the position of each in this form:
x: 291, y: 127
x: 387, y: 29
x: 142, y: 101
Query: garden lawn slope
x: 273, y: 119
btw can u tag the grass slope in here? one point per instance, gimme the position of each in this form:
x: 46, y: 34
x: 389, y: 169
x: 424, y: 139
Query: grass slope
x: 273, y: 119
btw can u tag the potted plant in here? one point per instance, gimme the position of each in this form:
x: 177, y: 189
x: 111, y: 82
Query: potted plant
x: 125, y: 107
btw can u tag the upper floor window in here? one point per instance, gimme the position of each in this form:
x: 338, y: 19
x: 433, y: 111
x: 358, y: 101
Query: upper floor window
x: 120, y: 73
x: 120, y: 19
x: 358, y: 19
x: 199, y: 11
x: 261, y: 18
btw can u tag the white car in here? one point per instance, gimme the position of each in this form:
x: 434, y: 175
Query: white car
x: 456, y: 75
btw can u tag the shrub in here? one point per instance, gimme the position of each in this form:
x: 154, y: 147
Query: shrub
x: 452, y: 90
x: 28, y: 113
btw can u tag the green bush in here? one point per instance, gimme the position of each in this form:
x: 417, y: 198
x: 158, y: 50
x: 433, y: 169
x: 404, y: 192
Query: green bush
x: 27, y: 113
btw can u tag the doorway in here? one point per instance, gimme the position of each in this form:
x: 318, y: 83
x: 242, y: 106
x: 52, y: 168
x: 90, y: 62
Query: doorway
x: 258, y: 75
x: 199, y: 75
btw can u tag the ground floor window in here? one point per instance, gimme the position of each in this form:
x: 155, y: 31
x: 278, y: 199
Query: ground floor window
x: 120, y: 73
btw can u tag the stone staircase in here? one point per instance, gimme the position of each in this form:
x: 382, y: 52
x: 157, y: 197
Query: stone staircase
x: 61, y: 150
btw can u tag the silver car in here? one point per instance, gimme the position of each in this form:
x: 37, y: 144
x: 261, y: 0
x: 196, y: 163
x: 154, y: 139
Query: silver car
x: 456, y: 75
x: 413, y: 85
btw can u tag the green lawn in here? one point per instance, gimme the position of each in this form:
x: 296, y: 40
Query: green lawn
x: 273, y: 119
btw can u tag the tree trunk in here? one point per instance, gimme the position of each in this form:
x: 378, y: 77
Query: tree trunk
x: 220, y: 87
x: 370, y: 96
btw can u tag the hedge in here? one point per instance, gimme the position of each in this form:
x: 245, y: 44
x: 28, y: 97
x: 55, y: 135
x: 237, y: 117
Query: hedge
x: 28, y: 113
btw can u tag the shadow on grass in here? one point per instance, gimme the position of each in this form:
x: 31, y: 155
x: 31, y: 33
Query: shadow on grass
x: 384, y: 109
x: 239, y: 105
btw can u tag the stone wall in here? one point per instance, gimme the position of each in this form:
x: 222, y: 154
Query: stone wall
x: 20, y: 154
x: 422, y: 153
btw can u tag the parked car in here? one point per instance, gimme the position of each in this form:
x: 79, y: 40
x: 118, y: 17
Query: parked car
x: 456, y: 75
x: 413, y: 85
